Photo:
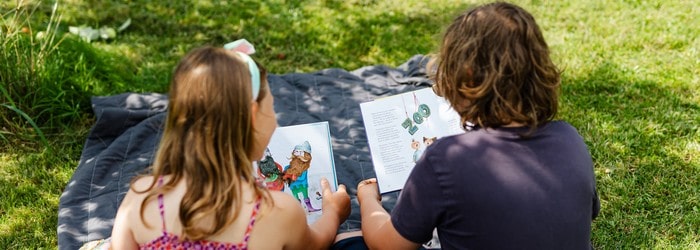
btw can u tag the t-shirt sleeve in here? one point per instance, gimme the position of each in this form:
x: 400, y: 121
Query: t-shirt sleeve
x: 418, y: 208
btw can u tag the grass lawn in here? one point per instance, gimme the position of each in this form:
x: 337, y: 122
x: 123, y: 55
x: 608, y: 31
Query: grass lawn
x: 630, y: 85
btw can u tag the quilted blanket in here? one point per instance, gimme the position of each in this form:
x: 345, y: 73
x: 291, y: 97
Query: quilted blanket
x: 124, y: 138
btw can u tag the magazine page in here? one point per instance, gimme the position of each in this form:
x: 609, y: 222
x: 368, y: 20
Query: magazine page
x: 294, y: 162
x: 400, y: 127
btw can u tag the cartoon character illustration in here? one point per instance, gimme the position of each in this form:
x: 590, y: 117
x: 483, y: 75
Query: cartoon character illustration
x: 295, y: 174
x: 415, y: 145
x: 429, y: 140
x: 271, y: 172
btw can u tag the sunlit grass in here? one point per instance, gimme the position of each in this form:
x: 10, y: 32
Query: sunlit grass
x: 631, y: 85
x: 30, y: 183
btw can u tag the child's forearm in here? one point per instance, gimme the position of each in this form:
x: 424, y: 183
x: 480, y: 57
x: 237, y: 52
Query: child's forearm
x: 374, y: 217
x: 323, y: 230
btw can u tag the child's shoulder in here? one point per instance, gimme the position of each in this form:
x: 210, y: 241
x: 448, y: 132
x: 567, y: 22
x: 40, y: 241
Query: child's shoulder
x: 284, y: 210
x: 143, y: 182
x: 284, y: 201
x: 137, y: 191
x: 133, y: 199
x: 287, y: 206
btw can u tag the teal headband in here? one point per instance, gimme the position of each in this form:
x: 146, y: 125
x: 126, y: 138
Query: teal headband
x: 252, y: 66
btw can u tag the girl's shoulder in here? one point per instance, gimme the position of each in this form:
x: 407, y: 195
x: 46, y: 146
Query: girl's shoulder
x: 138, y: 190
x: 284, y: 218
x: 284, y: 209
x: 285, y: 203
x: 143, y: 182
x: 137, y: 193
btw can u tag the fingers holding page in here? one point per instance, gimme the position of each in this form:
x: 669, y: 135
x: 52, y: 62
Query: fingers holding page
x: 367, y: 182
x: 338, y: 201
x: 326, y: 187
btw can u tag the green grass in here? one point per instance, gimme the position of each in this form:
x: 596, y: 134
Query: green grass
x: 631, y: 86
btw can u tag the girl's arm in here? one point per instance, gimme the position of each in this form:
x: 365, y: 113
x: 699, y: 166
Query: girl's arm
x: 122, y: 237
x: 377, y: 229
x: 336, y: 208
x: 320, y: 234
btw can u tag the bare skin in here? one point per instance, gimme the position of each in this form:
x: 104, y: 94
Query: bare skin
x: 286, y: 220
x: 285, y: 216
x: 377, y: 229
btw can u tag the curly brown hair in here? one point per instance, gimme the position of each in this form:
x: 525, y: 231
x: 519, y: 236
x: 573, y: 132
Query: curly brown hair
x: 494, y: 68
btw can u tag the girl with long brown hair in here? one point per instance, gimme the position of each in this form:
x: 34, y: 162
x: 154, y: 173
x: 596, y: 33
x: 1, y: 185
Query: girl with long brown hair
x: 202, y: 190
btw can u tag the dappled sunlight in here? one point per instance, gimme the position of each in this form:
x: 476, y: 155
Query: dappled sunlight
x: 30, y: 184
x: 27, y: 224
x: 643, y: 138
x: 690, y: 153
x: 89, y: 206
x: 6, y: 160
x: 631, y: 81
x: 95, y: 225
x: 636, y: 35
x: 665, y: 241
x: 89, y: 160
x: 151, y: 101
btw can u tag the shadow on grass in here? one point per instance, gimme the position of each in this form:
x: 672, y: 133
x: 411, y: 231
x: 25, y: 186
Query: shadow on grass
x: 297, y: 36
x: 31, y: 219
x: 643, y: 136
x: 53, y: 86
x: 644, y: 140
x: 30, y: 185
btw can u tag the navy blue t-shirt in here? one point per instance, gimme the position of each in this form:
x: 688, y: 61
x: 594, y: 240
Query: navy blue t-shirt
x: 493, y: 189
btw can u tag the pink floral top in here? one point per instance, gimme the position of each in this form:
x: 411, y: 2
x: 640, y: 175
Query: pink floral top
x: 171, y: 241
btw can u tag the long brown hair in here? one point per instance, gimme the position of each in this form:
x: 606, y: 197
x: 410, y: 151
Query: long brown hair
x: 494, y: 67
x: 206, y: 139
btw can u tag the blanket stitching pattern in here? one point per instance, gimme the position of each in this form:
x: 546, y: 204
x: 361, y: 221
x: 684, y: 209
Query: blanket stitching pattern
x: 124, y: 138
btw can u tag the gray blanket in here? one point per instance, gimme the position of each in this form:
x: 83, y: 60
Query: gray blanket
x: 122, y: 142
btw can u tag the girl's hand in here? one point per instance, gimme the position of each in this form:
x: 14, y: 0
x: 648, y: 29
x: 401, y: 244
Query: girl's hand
x: 338, y: 202
x: 368, y: 189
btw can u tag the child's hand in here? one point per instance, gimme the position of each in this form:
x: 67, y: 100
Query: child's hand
x: 368, y: 189
x: 338, y: 202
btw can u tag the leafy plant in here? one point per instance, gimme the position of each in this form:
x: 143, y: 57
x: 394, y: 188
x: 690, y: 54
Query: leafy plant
x: 47, y: 77
x: 30, y: 121
x: 22, y: 58
x: 91, y: 34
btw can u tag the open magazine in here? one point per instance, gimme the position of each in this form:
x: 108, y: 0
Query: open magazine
x: 296, y: 159
x: 399, y: 129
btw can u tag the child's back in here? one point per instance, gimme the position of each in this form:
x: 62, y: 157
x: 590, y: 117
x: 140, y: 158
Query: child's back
x: 202, y: 190
x: 271, y: 230
x: 516, y: 179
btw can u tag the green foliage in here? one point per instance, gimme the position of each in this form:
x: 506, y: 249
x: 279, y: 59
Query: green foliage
x: 47, y: 78
x: 91, y: 34
x: 631, y: 86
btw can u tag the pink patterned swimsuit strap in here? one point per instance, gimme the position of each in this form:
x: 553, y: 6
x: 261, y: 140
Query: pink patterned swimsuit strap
x: 171, y: 241
x: 244, y: 244
x: 161, y: 207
